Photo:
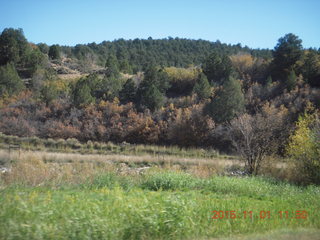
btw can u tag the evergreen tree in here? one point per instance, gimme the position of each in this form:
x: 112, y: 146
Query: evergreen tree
x: 268, y: 82
x: 111, y: 86
x: 202, y: 87
x: 152, y: 89
x: 54, y: 52
x: 44, y: 48
x: 217, y: 68
x: 128, y: 92
x: 34, y: 59
x: 158, y: 77
x: 291, y: 81
x: 48, y: 92
x: 228, y: 103
x: 13, y: 46
x: 311, y: 68
x: 82, y: 93
x: 112, y: 66
x: 152, y: 98
x: 10, y: 82
x: 285, y: 55
x: 125, y: 66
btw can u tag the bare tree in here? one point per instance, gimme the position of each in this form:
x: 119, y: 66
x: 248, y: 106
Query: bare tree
x: 257, y: 136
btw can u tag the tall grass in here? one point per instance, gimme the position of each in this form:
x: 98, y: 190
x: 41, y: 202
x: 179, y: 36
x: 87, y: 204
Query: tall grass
x: 196, y: 166
x: 73, y: 145
x: 108, y: 211
x: 47, y: 198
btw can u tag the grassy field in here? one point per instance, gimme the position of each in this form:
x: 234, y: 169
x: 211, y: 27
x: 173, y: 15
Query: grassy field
x: 98, y: 200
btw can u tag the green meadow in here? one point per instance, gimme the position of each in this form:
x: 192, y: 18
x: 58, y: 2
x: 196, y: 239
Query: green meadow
x: 159, y: 204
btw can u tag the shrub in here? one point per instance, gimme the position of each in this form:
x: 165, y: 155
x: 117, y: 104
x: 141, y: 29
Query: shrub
x: 73, y: 143
x: 107, y: 180
x: 50, y: 143
x: 89, y: 145
x: 60, y: 143
x: 169, y: 181
x: 10, y: 82
x: 35, y: 141
x: 304, y: 148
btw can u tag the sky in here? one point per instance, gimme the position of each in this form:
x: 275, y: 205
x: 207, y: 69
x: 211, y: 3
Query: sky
x: 255, y: 23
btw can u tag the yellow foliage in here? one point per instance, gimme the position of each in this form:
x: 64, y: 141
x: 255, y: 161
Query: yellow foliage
x: 102, y: 104
x: 304, y: 147
x: 116, y: 100
x: 242, y: 62
x: 301, y: 143
x: 181, y: 74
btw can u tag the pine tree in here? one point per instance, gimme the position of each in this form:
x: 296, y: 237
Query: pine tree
x: 285, y: 55
x: 291, y: 81
x: 82, y: 92
x: 13, y: 46
x: 128, y: 92
x: 54, y: 52
x: 228, y: 103
x: 202, y: 87
x: 112, y: 66
x: 217, y: 68
x: 111, y: 86
x: 311, y: 68
x: 10, y: 82
x: 153, y: 98
x: 268, y: 82
x: 152, y: 89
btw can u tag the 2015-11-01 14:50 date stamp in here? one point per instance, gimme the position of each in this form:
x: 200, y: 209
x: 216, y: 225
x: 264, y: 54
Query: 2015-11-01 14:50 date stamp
x: 299, y: 214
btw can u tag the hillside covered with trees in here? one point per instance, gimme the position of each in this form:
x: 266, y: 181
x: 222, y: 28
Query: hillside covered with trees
x: 168, y: 92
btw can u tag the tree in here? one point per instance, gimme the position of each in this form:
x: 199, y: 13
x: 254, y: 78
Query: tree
x: 268, y: 82
x: 285, y: 55
x: 217, y: 68
x: 10, y: 82
x: 82, y: 92
x: 291, y: 81
x: 257, y: 136
x: 34, y: 59
x: 304, y: 147
x: 128, y: 92
x: 202, y: 87
x: 111, y: 86
x: 38, y: 80
x: 44, y: 48
x: 310, y: 68
x: 112, y: 65
x: 13, y: 46
x: 153, y: 87
x: 152, y: 98
x: 48, y: 92
x: 54, y: 52
x: 228, y: 103
x: 158, y: 77
x: 125, y: 66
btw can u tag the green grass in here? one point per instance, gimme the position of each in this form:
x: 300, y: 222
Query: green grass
x: 282, y: 234
x: 158, y: 205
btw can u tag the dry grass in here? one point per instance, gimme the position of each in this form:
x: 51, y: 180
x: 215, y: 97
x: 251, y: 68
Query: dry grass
x: 33, y: 169
x: 42, y: 168
x: 37, y: 167
x: 114, y: 158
